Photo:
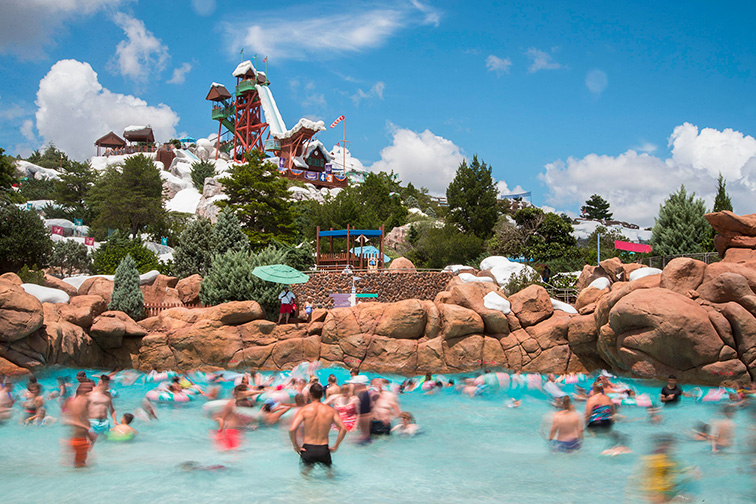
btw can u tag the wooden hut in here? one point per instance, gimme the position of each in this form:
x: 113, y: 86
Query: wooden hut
x: 139, y: 134
x: 109, y: 141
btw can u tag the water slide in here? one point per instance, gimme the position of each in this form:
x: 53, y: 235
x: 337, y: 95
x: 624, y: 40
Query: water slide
x: 270, y: 109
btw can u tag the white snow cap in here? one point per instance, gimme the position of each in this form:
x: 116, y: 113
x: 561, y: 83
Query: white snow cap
x: 243, y: 68
x: 215, y: 84
x: 502, y: 268
x: 644, y: 272
x: 470, y: 278
x: 301, y: 124
x: 46, y: 294
x: 600, y: 283
x: 562, y: 306
x: 134, y: 128
x: 454, y: 268
x: 493, y: 301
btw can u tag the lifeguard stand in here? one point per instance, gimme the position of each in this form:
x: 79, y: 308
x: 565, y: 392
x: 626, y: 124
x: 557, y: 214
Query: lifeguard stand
x: 348, y: 259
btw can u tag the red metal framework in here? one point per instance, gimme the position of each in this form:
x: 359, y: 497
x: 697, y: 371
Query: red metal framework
x: 250, y: 131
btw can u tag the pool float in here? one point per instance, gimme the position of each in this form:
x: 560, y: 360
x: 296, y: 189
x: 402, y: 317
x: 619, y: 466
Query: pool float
x: 167, y: 396
x: 495, y: 380
x: 119, y: 436
x: 534, y: 381
x: 714, y: 395
x: 155, y: 376
x: 279, y: 396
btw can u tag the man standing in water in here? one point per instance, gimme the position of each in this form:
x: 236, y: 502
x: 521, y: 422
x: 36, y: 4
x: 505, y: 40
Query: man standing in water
x: 100, y: 404
x: 317, y: 419
x: 567, y: 427
x: 78, y: 420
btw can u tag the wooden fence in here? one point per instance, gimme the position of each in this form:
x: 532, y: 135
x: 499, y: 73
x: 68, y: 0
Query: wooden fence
x: 154, y: 309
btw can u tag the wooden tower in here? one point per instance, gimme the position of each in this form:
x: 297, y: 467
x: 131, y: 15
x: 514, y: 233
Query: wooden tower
x: 250, y: 129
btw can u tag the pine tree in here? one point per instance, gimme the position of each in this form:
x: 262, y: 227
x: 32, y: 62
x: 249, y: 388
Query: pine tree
x: 227, y: 233
x: 680, y: 227
x: 76, y: 179
x: 69, y: 256
x: 260, y: 199
x: 596, y: 208
x: 472, y: 199
x: 23, y: 239
x: 195, y: 249
x: 7, y: 173
x: 722, y: 201
x: 200, y: 171
x: 231, y: 279
x: 127, y: 296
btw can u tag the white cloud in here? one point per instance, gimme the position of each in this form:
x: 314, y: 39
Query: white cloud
x: 432, y: 16
x: 27, y: 129
x: 636, y: 184
x: 323, y: 36
x: 596, y: 81
x: 541, y: 60
x: 425, y: 159
x: 503, y: 188
x: 203, y: 7
x: 141, y: 54
x: 646, y: 147
x: 179, y: 73
x: 74, y: 110
x: 375, y: 92
x: 27, y: 27
x: 13, y: 112
x: 498, y: 65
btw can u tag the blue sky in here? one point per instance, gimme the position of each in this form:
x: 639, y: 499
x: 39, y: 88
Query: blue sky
x: 564, y: 99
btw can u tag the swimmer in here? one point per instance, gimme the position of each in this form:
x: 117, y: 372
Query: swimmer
x: 77, y: 417
x: 654, y: 414
x: 100, y: 404
x: 408, y: 427
x: 723, y: 430
x: 470, y: 388
x: 701, y: 432
x: 229, y: 437
x: 7, y: 400
x: 271, y: 413
x: 332, y: 388
x: 566, y: 429
x: 661, y: 472
x: 34, y: 401
x: 599, y: 410
x: 385, y: 409
x: 41, y: 418
x: 514, y: 403
x: 123, y: 428
x: 347, y: 404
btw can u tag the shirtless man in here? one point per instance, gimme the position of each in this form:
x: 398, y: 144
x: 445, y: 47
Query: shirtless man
x: 386, y: 408
x: 567, y: 427
x: 333, y: 386
x: 78, y: 418
x: 7, y: 400
x: 317, y: 419
x: 229, y: 435
x: 723, y: 431
x: 100, y: 404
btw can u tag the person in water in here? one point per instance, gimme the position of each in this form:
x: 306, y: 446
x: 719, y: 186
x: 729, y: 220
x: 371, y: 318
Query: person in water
x: 100, y: 405
x: 123, y: 429
x: 7, y: 400
x: 77, y: 412
x: 723, y: 430
x: 671, y: 392
x: 566, y: 428
x: 408, y: 427
x: 317, y: 419
x: 599, y: 410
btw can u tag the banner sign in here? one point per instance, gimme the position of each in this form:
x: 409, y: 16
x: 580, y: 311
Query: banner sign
x: 78, y: 222
x: 311, y: 175
x: 282, y: 162
x: 57, y: 230
x: 29, y: 206
x: 328, y: 168
x: 89, y: 241
x: 632, y: 247
x: 163, y: 240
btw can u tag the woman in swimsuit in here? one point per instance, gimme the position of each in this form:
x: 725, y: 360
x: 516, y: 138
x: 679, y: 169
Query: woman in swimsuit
x: 346, y: 404
x: 599, y: 409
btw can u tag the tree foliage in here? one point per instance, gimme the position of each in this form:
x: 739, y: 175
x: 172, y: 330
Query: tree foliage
x: 596, y: 208
x: 608, y: 237
x: 37, y: 189
x: 472, y: 199
x: 51, y: 157
x: 195, y: 249
x: 259, y: 197
x: 227, y: 233
x: 127, y: 296
x: 722, y: 201
x: 128, y: 197
x: 200, y: 171
x: 436, y: 247
x: 71, y: 191
x: 23, y: 239
x: 109, y: 255
x: 70, y: 256
x: 7, y: 173
x: 680, y: 227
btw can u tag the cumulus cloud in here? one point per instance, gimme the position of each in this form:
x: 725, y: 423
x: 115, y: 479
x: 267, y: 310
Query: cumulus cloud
x: 375, y: 92
x: 425, y: 159
x: 203, y: 7
x: 541, y: 60
x: 141, y: 53
x: 596, y: 81
x: 646, y: 147
x: 498, y: 65
x: 503, y: 189
x: 326, y: 35
x: 179, y: 74
x: 74, y: 110
x: 27, y: 129
x: 635, y: 184
x: 28, y: 27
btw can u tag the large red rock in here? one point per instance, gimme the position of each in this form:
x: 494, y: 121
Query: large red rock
x: 234, y: 312
x: 391, y: 355
x: 531, y: 305
x: 82, y: 310
x: 613, y: 268
x: 20, y: 313
x: 430, y: 356
x: 207, y: 342
x: 740, y: 255
x: 464, y: 354
x: 618, y: 291
x: 401, y: 264
x: 588, y: 296
x: 588, y: 275
x: 109, y: 329
x: 457, y: 321
x: 11, y: 278
x: 724, y: 288
x: 69, y: 344
x: 57, y: 283
x: 402, y: 320
x: 189, y: 289
x: 682, y: 274
x: 339, y: 324
x: 724, y: 242
x: 748, y: 270
x: 743, y: 325
x: 7, y: 368
x: 162, y: 291
x: 98, y: 286
x: 629, y: 268
x: 725, y: 222
x: 470, y: 295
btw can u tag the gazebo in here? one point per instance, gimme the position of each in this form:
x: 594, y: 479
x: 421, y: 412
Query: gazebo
x: 110, y: 141
x: 348, y: 258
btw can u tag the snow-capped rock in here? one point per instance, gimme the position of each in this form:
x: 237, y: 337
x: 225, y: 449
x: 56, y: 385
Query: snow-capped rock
x: 470, y: 278
x: 502, y: 268
x: 562, y: 306
x: 30, y: 170
x: 644, y: 272
x: 493, y: 301
x: 46, y: 294
x: 185, y: 201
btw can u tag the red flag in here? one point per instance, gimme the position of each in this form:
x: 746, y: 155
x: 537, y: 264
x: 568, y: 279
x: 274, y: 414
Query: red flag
x: 265, y: 60
x: 632, y: 247
x: 57, y: 230
x: 337, y: 121
x: 89, y: 240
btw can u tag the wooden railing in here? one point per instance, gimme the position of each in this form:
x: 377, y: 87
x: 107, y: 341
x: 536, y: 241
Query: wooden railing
x: 154, y: 309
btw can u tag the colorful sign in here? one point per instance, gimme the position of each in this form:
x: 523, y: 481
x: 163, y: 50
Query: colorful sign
x: 29, y: 206
x: 282, y: 162
x: 632, y: 247
x: 89, y: 241
x: 78, y: 222
x: 57, y: 230
x: 163, y: 241
x: 337, y: 121
x: 328, y: 168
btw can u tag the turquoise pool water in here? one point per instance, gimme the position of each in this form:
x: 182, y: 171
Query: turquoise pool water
x: 472, y: 450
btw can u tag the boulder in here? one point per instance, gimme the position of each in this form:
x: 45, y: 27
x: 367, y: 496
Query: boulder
x: 531, y: 305
x: 613, y: 268
x: 725, y: 222
x: 7, y: 368
x: 748, y: 270
x: 234, y: 312
x: 162, y: 290
x: 402, y: 320
x: 401, y: 264
x: 740, y: 255
x: 457, y: 321
x: 724, y: 288
x: 339, y: 324
x: 57, y: 283
x: 189, y: 289
x: 589, y: 295
x: 98, y: 286
x: 430, y: 356
x: 109, y: 329
x: 724, y: 242
x: 390, y: 355
x: 473, y: 296
x: 82, y: 310
x: 743, y: 325
x: 629, y: 268
x: 463, y: 354
x: 11, y: 278
x: 69, y: 344
x: 20, y: 313
x: 683, y: 274
x: 588, y: 275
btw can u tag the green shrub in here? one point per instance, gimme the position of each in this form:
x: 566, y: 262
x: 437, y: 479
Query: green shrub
x: 519, y: 281
x: 106, y: 259
x: 127, y: 296
x: 195, y: 249
x: 69, y: 256
x: 200, y: 171
x: 23, y: 239
x: 31, y: 275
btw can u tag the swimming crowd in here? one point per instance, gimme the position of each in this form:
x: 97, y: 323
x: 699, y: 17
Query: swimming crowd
x: 310, y: 411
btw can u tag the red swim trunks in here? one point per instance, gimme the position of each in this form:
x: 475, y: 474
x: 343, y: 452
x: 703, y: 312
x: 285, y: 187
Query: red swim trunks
x: 228, y: 439
x: 80, y: 447
x: 287, y: 308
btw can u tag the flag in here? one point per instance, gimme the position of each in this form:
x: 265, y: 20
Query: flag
x: 632, y: 247
x: 57, y: 230
x: 337, y: 121
x: 265, y: 60
x: 89, y: 240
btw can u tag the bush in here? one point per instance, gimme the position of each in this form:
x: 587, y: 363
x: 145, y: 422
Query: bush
x: 23, y: 239
x: 519, y: 281
x: 200, y: 171
x: 439, y: 247
x: 231, y: 279
x: 127, y: 296
x: 69, y: 256
x: 108, y: 257
x: 37, y: 189
x: 227, y: 233
x: 195, y: 249
x: 31, y: 275
x: 411, y: 202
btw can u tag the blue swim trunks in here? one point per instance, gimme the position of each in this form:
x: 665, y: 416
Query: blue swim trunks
x: 99, y: 425
x: 566, y: 446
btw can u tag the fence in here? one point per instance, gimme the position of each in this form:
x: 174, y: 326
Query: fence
x: 154, y: 309
x: 661, y: 261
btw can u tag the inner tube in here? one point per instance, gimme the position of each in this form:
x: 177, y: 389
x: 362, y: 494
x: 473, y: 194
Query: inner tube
x: 119, y: 436
x: 168, y: 396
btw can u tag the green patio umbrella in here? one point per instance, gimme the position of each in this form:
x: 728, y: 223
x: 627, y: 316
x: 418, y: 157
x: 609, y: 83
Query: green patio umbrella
x: 280, y: 273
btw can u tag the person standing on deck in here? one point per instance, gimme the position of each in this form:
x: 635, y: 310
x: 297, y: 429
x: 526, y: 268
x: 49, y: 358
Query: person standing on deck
x: 287, y: 304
